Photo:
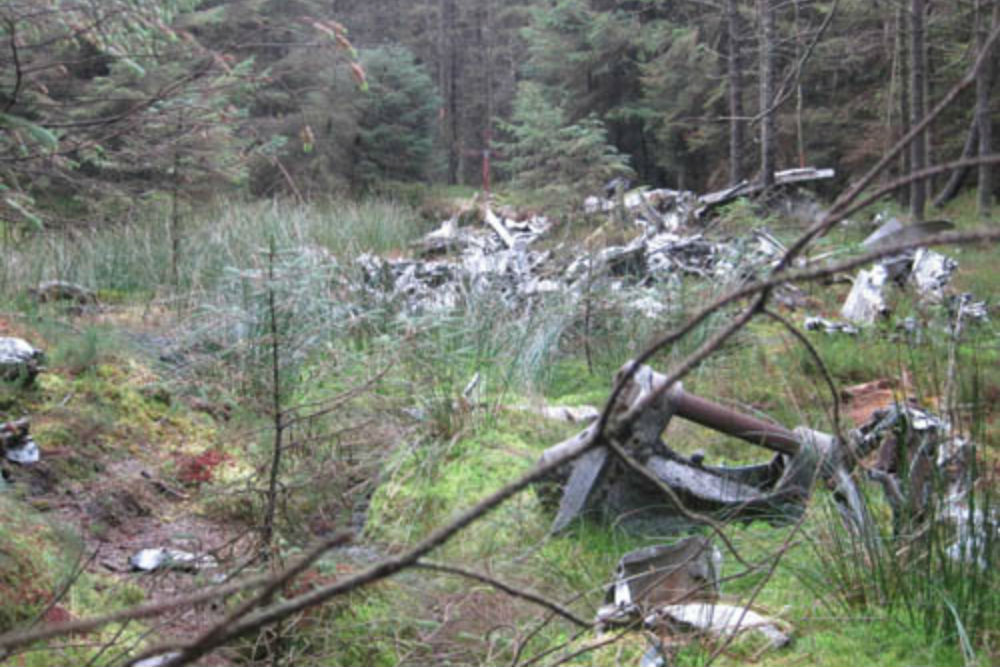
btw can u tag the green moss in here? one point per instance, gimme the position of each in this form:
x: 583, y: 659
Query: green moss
x: 432, y: 481
x: 34, y: 557
x: 569, y: 382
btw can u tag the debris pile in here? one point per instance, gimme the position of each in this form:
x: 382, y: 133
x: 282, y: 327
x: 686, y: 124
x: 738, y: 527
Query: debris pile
x: 915, y: 448
x: 719, y: 620
x: 925, y: 471
x: 683, y: 207
x: 501, y: 258
x: 661, y: 575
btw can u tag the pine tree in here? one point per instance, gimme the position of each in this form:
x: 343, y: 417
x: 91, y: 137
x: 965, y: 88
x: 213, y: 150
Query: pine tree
x: 397, y: 119
x: 563, y: 162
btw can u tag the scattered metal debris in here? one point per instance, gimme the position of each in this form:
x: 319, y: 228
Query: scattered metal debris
x: 654, y: 657
x: 930, y: 274
x: 966, y: 307
x: 661, y: 575
x: 719, y: 620
x: 19, y: 360
x: 498, y: 259
x: 581, y: 414
x: 480, y: 250
x: 17, y: 444
x: 708, y: 202
x: 893, y: 232
x: 167, y: 558
x: 829, y: 326
x: 927, y: 271
x: 924, y: 470
x: 156, y: 660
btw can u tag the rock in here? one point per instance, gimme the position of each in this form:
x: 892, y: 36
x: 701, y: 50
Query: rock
x: 60, y: 290
x: 19, y: 360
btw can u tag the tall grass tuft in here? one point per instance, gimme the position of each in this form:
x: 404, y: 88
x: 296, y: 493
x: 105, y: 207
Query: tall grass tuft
x: 135, y: 256
x: 929, y: 564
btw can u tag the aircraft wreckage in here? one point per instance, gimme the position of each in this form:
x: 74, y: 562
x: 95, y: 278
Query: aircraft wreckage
x: 674, y: 492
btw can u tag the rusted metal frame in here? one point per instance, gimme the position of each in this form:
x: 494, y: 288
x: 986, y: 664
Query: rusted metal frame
x: 731, y: 422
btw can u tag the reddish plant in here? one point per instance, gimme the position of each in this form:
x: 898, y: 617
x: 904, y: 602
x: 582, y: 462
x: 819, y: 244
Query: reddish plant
x: 194, y: 470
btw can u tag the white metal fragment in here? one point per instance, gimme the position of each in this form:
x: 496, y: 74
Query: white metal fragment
x: 18, y: 357
x: 829, y: 326
x: 888, y: 228
x: 866, y: 302
x: 571, y: 414
x: 724, y: 619
x: 25, y: 454
x: 156, y: 660
x: 931, y: 273
x: 166, y: 558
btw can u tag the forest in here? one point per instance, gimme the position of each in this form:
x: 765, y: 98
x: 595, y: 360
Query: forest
x: 482, y: 332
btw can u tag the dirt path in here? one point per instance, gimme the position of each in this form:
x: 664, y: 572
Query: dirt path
x: 128, y: 498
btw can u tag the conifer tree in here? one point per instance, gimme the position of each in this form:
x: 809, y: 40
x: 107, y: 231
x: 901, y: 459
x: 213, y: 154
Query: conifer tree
x: 564, y: 162
x: 397, y: 119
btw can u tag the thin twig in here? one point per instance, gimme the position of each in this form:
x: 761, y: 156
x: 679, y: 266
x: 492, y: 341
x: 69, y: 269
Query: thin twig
x: 554, y: 607
x: 824, y: 370
x: 590, y: 647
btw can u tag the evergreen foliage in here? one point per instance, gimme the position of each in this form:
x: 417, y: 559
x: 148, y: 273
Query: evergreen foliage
x: 105, y: 105
x: 563, y: 161
x: 682, y: 93
x: 397, y: 120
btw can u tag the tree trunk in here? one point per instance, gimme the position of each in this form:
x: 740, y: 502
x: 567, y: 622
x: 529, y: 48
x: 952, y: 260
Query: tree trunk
x: 737, y: 123
x: 447, y: 72
x: 768, y: 121
x: 984, y: 121
x: 799, y: 135
x: 918, y: 148
x: 903, y: 52
x: 957, y: 177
